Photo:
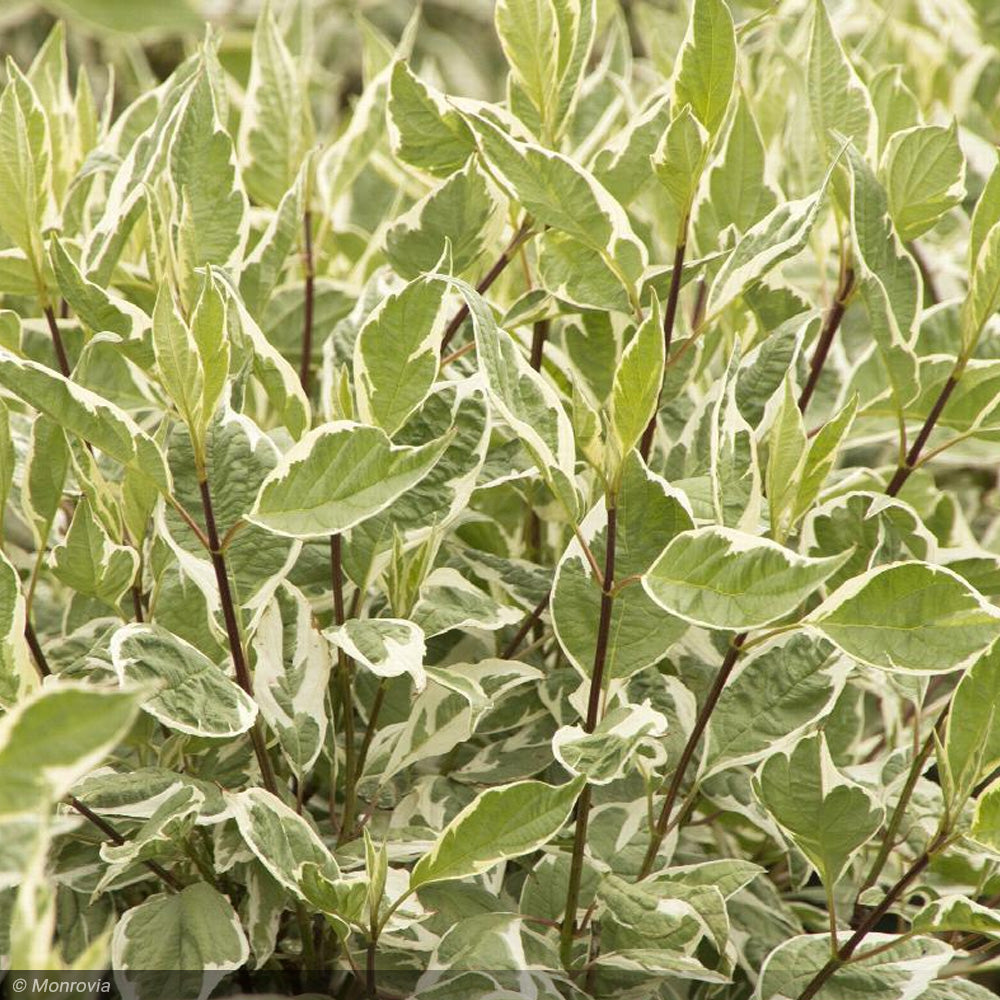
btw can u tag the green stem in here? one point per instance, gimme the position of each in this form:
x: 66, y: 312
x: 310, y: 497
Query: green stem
x: 590, y: 724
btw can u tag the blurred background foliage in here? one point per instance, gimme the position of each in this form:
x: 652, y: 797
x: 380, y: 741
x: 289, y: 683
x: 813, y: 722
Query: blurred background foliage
x: 947, y: 49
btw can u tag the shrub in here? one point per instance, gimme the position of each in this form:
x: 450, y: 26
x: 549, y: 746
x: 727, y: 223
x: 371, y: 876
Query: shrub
x: 543, y: 546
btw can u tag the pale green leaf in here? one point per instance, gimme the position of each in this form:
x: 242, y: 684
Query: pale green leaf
x: 635, y: 393
x: 649, y: 515
x: 462, y: 214
x: 776, y: 694
x: 388, y: 647
x: 501, y: 823
x: 721, y: 578
x: 283, y: 842
x: 83, y: 412
x: 909, y: 617
x: 680, y: 159
x: 423, y: 129
x: 828, y: 816
x: 276, y: 126
x: 396, y: 355
x: 181, y: 942
x: 337, y: 476
x: 898, y: 971
x: 89, y: 561
x: 972, y: 736
x: 838, y: 100
x: 924, y: 172
x: 190, y: 693
x: 706, y: 63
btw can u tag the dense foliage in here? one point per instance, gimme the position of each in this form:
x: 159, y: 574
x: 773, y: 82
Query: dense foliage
x: 543, y: 546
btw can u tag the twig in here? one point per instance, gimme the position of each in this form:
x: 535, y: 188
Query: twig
x: 236, y: 651
x: 827, y: 335
x: 116, y: 838
x: 511, y: 648
x: 705, y: 713
x: 904, y: 471
x: 494, y: 272
x: 307, y: 322
x: 669, y: 318
x: 57, y: 343
x: 37, y: 652
x: 590, y: 724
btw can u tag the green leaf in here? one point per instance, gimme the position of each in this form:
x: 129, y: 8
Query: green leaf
x: 90, y: 562
x: 192, y: 694
x: 25, y: 164
x: 291, y: 677
x: 276, y: 375
x: 680, y: 159
x: 529, y: 36
x: 787, y: 447
x: 500, y: 823
x: 721, y: 578
x: 283, y: 842
x: 972, y: 736
x: 797, y: 467
x: 985, y: 216
x: 896, y: 106
x: 181, y: 942
x: 983, y: 298
x: 96, y: 307
x: 523, y: 398
x: 888, y: 277
x: 828, y: 816
x: 956, y: 913
x: 908, y: 617
x: 209, y: 329
x: 739, y: 191
x: 462, y: 214
x: 159, y: 837
x: 559, y: 193
x: 52, y: 739
x: 17, y: 677
x: 396, y: 355
x: 276, y: 126
x: 578, y: 274
x: 901, y: 970
x: 649, y: 514
x: 449, y: 601
x: 706, y: 63
x: 177, y: 358
x: 44, y: 476
x: 777, y: 693
x: 210, y: 213
x: 838, y: 100
x: 627, y: 734
x: 924, y: 172
x: 337, y: 476
x: 425, y: 131
x: 388, y: 647
x: 636, y: 390
x: 623, y: 165
x: 780, y: 235
x: 83, y: 412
